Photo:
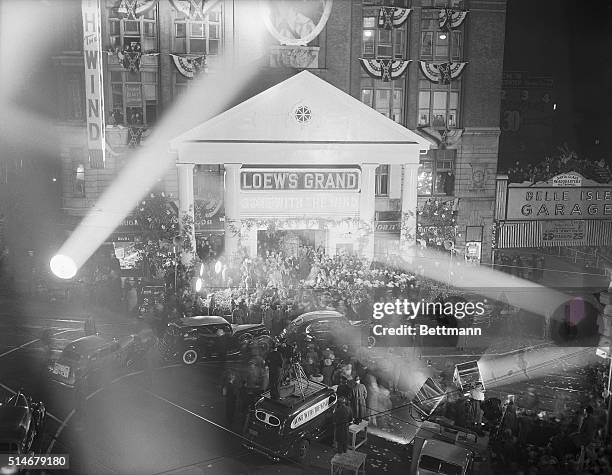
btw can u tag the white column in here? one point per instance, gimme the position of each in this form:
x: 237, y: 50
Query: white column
x: 232, y: 208
x: 409, y: 210
x: 186, y: 201
x: 367, y: 205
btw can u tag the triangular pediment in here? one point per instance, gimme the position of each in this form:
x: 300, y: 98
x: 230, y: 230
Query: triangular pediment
x: 303, y: 108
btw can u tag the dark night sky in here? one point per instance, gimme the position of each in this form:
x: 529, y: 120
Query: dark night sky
x: 570, y: 40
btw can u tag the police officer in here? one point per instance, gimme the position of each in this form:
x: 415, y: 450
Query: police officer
x: 274, y: 362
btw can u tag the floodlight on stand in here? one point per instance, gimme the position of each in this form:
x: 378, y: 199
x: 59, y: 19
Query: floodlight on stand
x: 63, y: 266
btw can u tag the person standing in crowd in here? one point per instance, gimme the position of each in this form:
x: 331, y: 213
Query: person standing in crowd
x: 588, y: 428
x: 342, y: 419
x: 359, y: 395
x: 231, y: 394
x: 131, y: 299
x: 477, y: 397
x: 274, y: 362
x: 344, y: 390
x: 327, y: 372
x: 268, y: 316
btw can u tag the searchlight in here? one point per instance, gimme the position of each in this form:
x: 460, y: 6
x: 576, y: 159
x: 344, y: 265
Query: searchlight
x: 63, y: 266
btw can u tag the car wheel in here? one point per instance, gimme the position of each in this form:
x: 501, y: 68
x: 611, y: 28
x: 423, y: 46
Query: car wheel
x: 190, y: 356
x: 301, y: 450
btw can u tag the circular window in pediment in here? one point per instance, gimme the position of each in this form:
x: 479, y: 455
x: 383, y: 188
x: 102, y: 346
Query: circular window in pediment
x: 302, y: 114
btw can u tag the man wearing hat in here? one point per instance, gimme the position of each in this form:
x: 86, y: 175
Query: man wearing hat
x: 274, y: 362
x: 342, y: 419
x: 359, y: 395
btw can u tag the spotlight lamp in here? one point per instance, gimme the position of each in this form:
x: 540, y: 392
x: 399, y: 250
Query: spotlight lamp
x: 63, y: 266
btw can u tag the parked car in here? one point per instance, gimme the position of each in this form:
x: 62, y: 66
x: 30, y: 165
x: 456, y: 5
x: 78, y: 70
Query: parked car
x: 192, y: 338
x: 328, y: 328
x: 21, y: 423
x: 286, y: 427
x: 85, y: 361
x: 433, y: 456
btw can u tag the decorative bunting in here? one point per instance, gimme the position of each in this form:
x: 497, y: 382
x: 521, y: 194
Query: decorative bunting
x: 194, y: 9
x: 442, y: 73
x: 190, y: 66
x: 392, y: 17
x: 449, y: 19
x: 130, y: 56
x: 130, y: 60
x: 132, y: 9
x: 385, y: 69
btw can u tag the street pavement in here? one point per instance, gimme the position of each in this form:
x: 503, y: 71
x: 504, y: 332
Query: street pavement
x: 174, y: 426
x: 177, y: 425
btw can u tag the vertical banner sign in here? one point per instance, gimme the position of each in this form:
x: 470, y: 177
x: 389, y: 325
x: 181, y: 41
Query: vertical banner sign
x: 94, y: 96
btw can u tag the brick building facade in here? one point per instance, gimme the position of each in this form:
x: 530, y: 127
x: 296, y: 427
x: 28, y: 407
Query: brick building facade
x: 459, y: 118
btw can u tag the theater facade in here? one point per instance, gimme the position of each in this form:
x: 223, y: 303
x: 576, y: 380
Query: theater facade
x: 298, y: 166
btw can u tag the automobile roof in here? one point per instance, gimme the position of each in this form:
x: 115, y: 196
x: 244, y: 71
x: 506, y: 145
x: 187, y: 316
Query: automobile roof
x: 288, y: 404
x: 444, y: 451
x: 309, y: 316
x: 200, y: 321
x: 86, y: 344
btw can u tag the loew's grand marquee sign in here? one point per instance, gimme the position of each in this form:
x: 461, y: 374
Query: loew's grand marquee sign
x: 311, y: 179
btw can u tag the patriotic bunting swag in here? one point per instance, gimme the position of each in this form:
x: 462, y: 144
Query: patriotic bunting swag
x: 132, y: 9
x: 450, y: 19
x: 189, y: 66
x: 385, y: 69
x: 392, y: 17
x: 130, y: 59
x: 442, y: 73
x: 194, y: 9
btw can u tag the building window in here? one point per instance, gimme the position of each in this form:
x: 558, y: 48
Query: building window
x: 123, y: 32
x: 198, y: 37
x: 387, y: 98
x: 438, y: 104
x: 382, y: 180
x: 381, y: 43
x: 134, y: 97
x: 438, y: 45
x: 437, y: 173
